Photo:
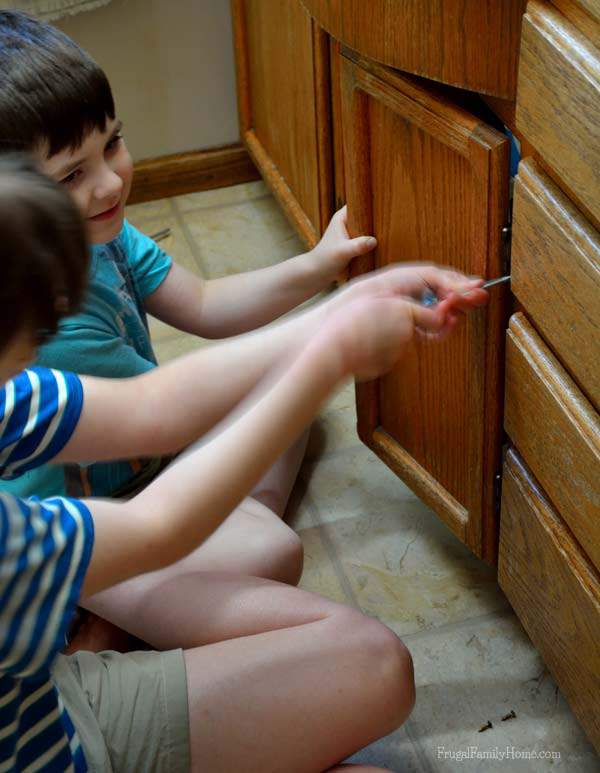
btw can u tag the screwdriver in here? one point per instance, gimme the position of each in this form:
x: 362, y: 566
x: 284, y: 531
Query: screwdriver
x: 429, y: 298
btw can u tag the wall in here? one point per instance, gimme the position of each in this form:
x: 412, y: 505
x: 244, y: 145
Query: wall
x: 171, y: 67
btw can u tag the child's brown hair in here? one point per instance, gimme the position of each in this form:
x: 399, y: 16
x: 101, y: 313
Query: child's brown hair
x: 52, y: 93
x: 43, y: 251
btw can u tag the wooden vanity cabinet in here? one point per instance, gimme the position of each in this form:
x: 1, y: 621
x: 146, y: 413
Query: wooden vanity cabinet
x: 472, y: 44
x: 430, y: 181
x: 549, y: 555
x: 282, y: 61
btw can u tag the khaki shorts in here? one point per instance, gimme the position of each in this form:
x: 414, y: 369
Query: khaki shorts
x: 130, y: 710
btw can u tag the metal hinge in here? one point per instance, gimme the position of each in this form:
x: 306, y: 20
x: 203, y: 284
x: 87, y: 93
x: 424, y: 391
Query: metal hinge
x: 506, y: 245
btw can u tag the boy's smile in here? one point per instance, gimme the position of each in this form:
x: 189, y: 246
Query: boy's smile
x: 98, y: 176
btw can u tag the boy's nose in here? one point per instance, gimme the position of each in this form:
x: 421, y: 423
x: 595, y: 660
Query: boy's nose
x: 109, y: 185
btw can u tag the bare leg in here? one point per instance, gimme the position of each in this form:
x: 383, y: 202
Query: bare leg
x: 275, y: 487
x: 253, y: 541
x: 299, y: 684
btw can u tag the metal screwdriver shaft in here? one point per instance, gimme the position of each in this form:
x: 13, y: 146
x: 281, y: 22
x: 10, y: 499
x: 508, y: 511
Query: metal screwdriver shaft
x: 429, y: 298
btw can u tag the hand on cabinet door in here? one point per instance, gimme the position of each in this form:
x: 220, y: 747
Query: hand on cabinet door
x: 375, y: 319
x: 455, y: 293
x: 336, y: 248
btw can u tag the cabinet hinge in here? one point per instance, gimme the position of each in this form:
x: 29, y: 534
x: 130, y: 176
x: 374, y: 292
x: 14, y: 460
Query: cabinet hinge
x: 506, y: 245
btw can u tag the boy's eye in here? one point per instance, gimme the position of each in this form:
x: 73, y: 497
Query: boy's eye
x: 71, y: 178
x: 114, y: 142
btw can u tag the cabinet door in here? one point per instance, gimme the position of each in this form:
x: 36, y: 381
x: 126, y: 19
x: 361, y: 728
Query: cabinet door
x: 430, y: 181
x: 284, y: 104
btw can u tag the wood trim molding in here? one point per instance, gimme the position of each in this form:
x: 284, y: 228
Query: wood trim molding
x: 280, y: 189
x: 283, y: 188
x: 198, y: 170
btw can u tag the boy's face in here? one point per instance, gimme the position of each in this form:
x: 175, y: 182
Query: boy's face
x: 98, y: 176
x: 18, y: 354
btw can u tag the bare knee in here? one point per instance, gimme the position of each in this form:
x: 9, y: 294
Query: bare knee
x: 276, y: 550
x: 385, y: 664
x: 287, y: 554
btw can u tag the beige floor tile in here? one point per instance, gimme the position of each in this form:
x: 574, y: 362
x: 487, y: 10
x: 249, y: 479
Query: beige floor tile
x: 355, y: 483
x: 168, y: 349
x: 394, y: 752
x: 242, y: 237
x: 481, y: 672
x: 335, y: 428
x: 409, y: 571
x: 220, y: 197
x: 139, y: 214
x: 319, y: 575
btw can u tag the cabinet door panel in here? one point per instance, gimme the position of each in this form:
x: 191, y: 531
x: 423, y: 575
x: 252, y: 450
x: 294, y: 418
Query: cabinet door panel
x: 283, y: 97
x: 430, y: 182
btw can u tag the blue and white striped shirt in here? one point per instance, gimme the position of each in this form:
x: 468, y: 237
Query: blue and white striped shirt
x: 45, y: 547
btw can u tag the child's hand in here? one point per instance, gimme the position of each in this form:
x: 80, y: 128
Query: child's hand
x: 369, y: 334
x: 336, y: 249
x: 457, y: 292
x: 375, y: 317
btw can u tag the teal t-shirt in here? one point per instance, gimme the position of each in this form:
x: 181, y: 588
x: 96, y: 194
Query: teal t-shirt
x: 109, y: 338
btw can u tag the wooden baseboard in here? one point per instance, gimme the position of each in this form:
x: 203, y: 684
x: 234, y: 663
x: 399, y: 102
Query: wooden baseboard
x: 200, y: 170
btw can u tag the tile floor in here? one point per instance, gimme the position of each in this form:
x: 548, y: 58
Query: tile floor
x: 369, y: 542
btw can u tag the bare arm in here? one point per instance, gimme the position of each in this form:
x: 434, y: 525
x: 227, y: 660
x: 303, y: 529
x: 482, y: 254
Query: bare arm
x: 189, y: 500
x: 169, y: 407
x: 218, y: 308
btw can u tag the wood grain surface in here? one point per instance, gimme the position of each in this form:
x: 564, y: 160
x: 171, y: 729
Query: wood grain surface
x: 558, y: 101
x: 472, y: 44
x: 201, y: 170
x: 584, y: 14
x: 430, y: 182
x: 555, y: 430
x: 554, y: 590
x: 283, y: 95
x: 556, y: 274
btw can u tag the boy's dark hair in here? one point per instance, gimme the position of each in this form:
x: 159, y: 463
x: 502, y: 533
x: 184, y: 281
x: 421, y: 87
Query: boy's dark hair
x: 43, y: 251
x: 52, y: 94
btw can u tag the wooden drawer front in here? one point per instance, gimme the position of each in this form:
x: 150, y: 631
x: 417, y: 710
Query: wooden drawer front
x: 554, y: 590
x: 585, y: 15
x: 556, y: 431
x: 558, y: 100
x: 556, y: 274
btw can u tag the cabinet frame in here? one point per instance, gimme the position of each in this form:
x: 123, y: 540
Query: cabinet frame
x: 310, y: 233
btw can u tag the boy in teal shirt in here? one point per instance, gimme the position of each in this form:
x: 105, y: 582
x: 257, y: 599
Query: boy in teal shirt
x: 109, y: 338
x: 56, y: 102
